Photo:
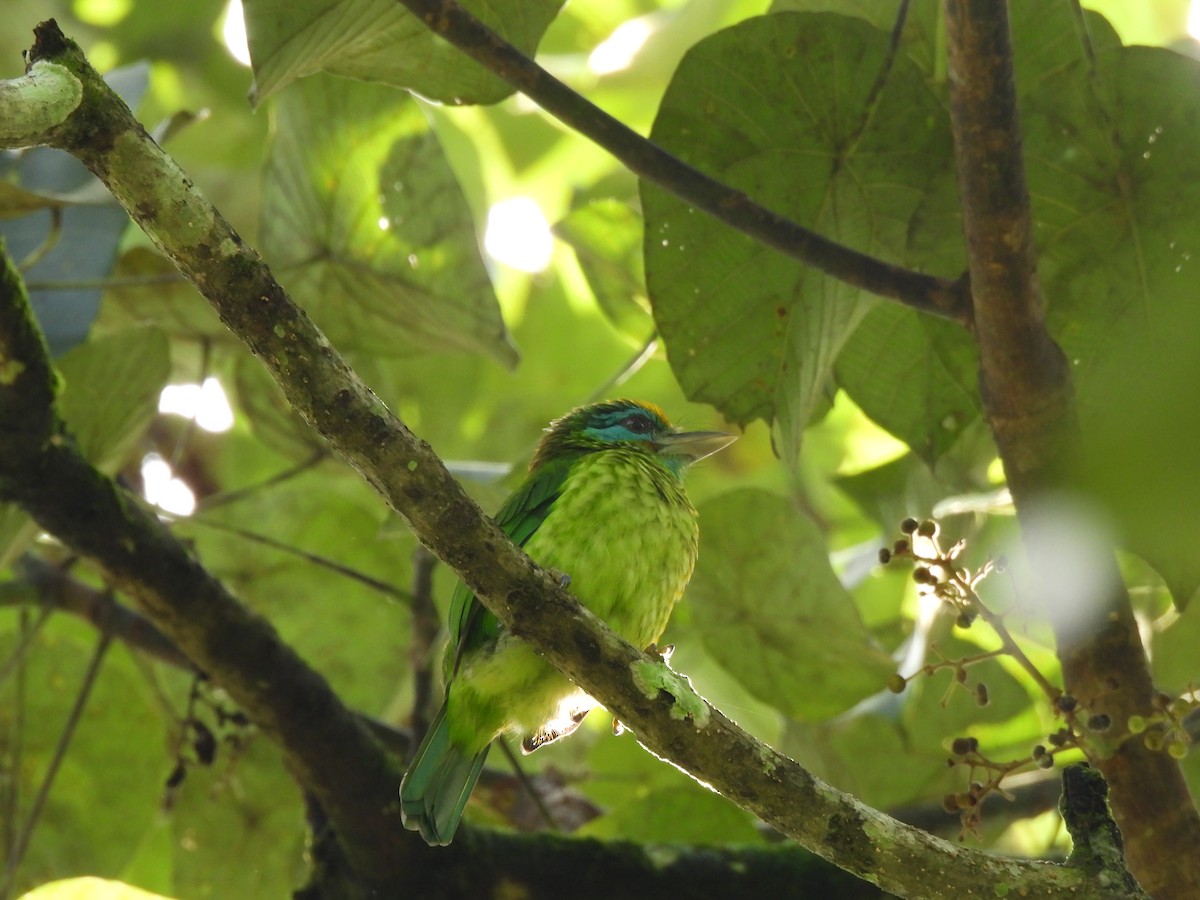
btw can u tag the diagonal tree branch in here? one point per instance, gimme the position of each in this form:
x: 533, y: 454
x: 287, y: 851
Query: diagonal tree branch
x: 938, y: 296
x: 242, y: 652
x: 1029, y: 406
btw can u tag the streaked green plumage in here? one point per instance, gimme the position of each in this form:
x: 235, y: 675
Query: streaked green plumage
x: 603, y: 503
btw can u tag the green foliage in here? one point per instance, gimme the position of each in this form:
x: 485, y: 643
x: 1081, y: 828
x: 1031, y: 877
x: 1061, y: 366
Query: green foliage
x: 376, y: 40
x: 370, y: 209
x: 366, y: 225
x: 846, y: 162
x: 764, y: 582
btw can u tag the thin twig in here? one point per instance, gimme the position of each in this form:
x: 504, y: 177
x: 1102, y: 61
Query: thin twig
x: 527, y: 784
x: 226, y: 497
x: 939, y: 296
x: 92, y: 284
x: 60, y: 752
x: 885, y: 70
x: 27, y: 635
x: 627, y: 370
x: 49, y: 242
x: 1084, y: 33
x: 388, y: 590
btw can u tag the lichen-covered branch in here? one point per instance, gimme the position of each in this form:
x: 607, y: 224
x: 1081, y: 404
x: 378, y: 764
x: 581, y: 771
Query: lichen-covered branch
x: 39, y: 100
x: 241, y: 651
x: 1029, y: 406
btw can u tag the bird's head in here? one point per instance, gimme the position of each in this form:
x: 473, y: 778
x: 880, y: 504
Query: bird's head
x: 626, y: 424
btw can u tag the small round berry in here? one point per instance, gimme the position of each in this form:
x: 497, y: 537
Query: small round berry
x: 981, y: 695
x: 908, y: 526
x: 961, y: 746
x: 896, y: 683
x: 928, y: 529
x: 1099, y: 722
x: 885, y: 556
x: 1136, y: 724
x: 1066, y: 703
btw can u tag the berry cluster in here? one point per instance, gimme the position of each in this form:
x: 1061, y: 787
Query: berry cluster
x: 197, y: 742
x: 939, y: 572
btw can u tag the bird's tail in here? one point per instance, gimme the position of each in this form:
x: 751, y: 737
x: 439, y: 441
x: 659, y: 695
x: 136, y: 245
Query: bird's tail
x: 439, y: 780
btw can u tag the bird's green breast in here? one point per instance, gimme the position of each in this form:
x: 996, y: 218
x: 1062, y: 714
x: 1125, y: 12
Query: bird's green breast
x: 626, y: 534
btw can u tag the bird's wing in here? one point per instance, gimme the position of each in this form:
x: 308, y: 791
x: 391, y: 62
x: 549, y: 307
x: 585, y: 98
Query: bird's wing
x: 470, y: 623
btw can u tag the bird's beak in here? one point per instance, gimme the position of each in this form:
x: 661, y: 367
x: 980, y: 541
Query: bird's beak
x: 694, y: 445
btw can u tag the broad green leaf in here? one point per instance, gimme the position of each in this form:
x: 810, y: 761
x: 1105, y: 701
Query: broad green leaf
x: 770, y: 610
x: 1114, y: 179
x: 378, y: 40
x: 1045, y: 35
x: 239, y: 828
x: 110, y: 391
x: 366, y: 226
x: 150, y: 289
x: 1176, y: 668
x: 922, y: 40
x: 914, y: 375
x: 89, y: 888
x: 107, y: 788
x: 606, y: 236
x: 331, y: 618
x: 777, y: 106
x: 269, y: 414
x: 1047, y: 46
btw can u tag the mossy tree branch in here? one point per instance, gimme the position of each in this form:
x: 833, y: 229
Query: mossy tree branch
x: 38, y: 101
x: 1029, y: 406
x: 241, y: 651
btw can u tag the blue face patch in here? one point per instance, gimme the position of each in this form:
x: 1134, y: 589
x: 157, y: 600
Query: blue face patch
x: 628, y: 424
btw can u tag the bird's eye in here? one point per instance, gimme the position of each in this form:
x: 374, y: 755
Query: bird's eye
x: 638, y: 424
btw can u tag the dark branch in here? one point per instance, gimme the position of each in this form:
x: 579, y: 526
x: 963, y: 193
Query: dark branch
x: 938, y: 296
x: 54, y: 587
x: 1030, y: 408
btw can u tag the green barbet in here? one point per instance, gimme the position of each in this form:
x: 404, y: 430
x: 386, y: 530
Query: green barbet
x: 604, y: 504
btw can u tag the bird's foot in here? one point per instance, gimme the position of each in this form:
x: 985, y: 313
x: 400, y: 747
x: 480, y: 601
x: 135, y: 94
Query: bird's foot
x: 664, y: 653
x: 563, y: 579
x: 548, y: 734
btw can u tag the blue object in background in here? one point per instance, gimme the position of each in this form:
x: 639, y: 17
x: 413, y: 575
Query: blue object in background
x: 91, y: 228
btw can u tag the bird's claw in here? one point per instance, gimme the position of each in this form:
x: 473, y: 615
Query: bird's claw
x: 563, y: 579
x: 663, y: 653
